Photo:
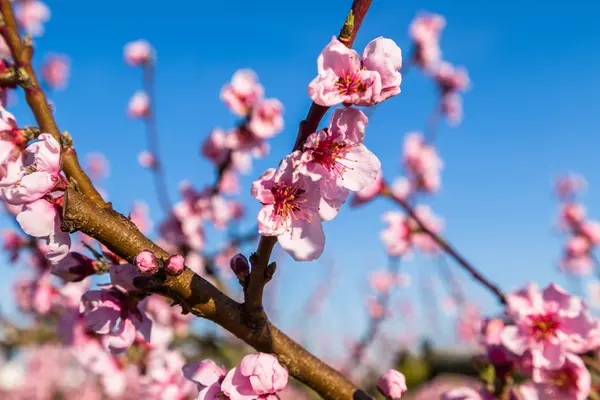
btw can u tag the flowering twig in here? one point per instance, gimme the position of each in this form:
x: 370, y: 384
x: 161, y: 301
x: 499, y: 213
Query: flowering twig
x: 22, y: 52
x: 260, y: 264
x: 160, y: 182
x: 451, y: 251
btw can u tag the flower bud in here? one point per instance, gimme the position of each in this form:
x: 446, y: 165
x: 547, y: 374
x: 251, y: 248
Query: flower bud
x: 147, y: 262
x: 175, y: 264
x: 240, y: 267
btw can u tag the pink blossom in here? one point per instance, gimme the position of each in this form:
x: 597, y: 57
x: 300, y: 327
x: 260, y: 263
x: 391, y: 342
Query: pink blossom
x: 451, y: 106
x: 396, y: 236
x: 569, y: 185
x: 266, y: 118
x: 401, y: 188
x: 451, y: 79
x: 337, y: 159
x: 55, y: 71
x: 469, y: 324
x: 74, y: 267
x: 264, y: 372
x: 204, y: 373
x: 290, y: 210
x: 422, y: 163
x: 384, y: 56
x: 147, y: 262
x: 229, y: 183
x: 591, y: 230
x: 175, y: 264
x: 571, y: 381
x: 422, y: 240
x: 122, y: 277
x: 112, y: 314
x: 549, y: 324
x: 571, y: 214
x: 138, y: 52
x: 375, y: 308
x: 343, y: 77
x: 382, y: 281
x: 147, y: 159
x: 214, y: 147
x: 139, y: 105
x: 38, y: 177
x: 425, y: 32
x: 369, y: 192
x: 164, y: 378
x: 97, y: 165
x: 32, y: 15
x: 242, y: 93
x: 13, y: 243
x: 392, y: 384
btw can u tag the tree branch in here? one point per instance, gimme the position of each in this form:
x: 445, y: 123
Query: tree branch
x: 36, y: 99
x: 451, y: 251
x: 200, y: 297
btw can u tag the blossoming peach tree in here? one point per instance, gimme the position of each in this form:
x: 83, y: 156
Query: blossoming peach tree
x: 131, y: 337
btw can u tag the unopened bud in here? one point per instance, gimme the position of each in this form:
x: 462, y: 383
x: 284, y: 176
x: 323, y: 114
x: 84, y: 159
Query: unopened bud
x: 240, y: 267
x: 175, y: 264
x: 147, y: 263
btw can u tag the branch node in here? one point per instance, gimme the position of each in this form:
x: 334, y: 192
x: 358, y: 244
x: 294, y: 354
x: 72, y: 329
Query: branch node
x: 66, y: 140
x: 31, y: 132
x: 347, y: 29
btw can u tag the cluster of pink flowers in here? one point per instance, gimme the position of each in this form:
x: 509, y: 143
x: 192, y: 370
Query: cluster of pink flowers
x: 262, y: 119
x: 425, y: 32
x: 32, y: 15
x: 311, y: 184
x: 31, y: 185
x: 583, y: 234
x: 139, y: 53
x: 422, y: 165
x: 403, y: 233
x: 258, y: 376
x: 546, y: 332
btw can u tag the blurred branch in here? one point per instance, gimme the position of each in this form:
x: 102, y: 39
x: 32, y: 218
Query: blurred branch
x: 375, y: 322
x: 160, y: 183
x: 449, y: 249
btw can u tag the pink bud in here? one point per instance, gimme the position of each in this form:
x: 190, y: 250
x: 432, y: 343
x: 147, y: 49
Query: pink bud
x: 175, y: 264
x: 147, y: 159
x: 392, y: 384
x: 240, y: 267
x: 147, y: 262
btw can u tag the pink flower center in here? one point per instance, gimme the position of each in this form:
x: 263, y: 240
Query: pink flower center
x: 564, y: 379
x: 289, y: 202
x: 543, y: 326
x: 350, y: 83
x: 332, y: 155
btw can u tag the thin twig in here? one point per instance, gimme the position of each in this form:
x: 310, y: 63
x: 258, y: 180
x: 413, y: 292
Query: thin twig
x: 449, y: 249
x: 160, y: 183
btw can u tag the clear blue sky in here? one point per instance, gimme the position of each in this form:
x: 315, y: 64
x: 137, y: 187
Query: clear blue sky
x: 532, y: 113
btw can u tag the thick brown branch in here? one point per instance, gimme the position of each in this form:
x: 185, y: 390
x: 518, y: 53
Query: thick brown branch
x: 21, y: 54
x: 203, y: 299
x: 449, y: 249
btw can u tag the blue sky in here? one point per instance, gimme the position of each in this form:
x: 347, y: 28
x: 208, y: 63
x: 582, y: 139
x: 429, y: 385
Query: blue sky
x: 531, y: 114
